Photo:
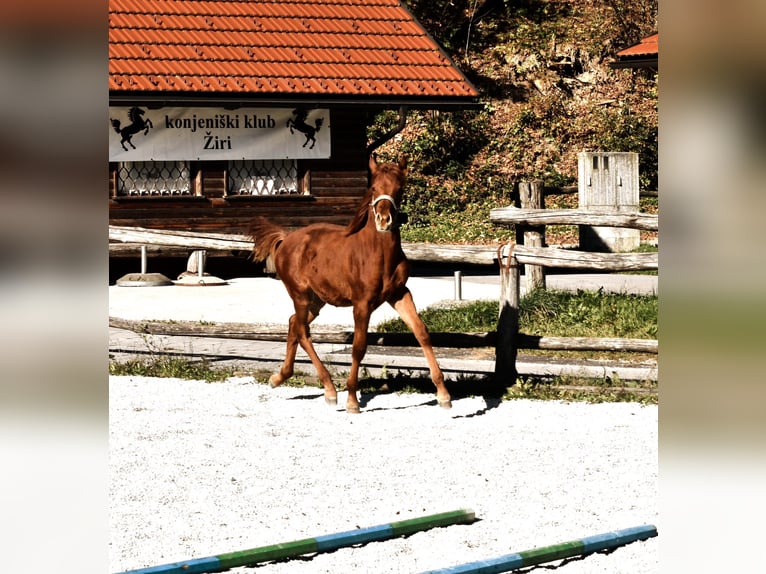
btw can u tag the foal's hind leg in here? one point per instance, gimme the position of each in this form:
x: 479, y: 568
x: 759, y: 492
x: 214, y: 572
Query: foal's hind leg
x: 288, y: 364
x: 405, y: 306
x: 299, y: 333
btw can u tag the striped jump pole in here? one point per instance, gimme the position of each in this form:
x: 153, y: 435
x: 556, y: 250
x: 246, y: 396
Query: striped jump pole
x: 325, y: 543
x: 587, y: 545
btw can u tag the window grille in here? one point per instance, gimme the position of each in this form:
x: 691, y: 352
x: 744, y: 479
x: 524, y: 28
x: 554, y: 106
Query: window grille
x: 263, y: 177
x: 154, y: 178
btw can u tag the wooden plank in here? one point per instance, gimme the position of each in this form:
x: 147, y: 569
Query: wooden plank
x: 179, y: 238
x: 230, y: 223
x: 324, y: 334
x: 133, y: 250
x: 319, y: 333
x: 649, y: 346
x: 536, y: 217
x: 565, y: 258
x: 230, y: 241
x: 472, y: 254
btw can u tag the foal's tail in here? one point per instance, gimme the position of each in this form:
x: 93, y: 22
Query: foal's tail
x: 266, y: 238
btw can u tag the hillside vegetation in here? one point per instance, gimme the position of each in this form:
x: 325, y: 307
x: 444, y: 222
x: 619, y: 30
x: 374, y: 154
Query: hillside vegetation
x: 547, y: 93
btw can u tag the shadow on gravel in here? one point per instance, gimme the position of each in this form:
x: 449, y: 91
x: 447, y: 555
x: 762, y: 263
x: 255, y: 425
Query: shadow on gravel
x: 365, y: 399
x: 373, y: 387
x: 311, y: 397
x: 459, y: 389
x: 491, y: 402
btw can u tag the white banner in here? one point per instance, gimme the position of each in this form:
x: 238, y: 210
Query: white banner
x: 138, y: 133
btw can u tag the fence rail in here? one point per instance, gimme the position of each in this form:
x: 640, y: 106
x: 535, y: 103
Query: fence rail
x: 510, y: 257
x: 536, y: 217
x: 133, y: 237
x: 507, y: 339
x: 571, y: 259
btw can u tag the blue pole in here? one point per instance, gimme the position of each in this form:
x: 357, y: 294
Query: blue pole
x: 583, y: 546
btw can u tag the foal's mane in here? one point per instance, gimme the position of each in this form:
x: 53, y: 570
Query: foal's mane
x: 361, y: 215
x: 363, y: 212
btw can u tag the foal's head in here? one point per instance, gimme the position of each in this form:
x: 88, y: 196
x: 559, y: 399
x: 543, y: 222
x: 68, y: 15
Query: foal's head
x: 386, y: 185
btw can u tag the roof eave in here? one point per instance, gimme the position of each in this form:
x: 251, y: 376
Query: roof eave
x: 238, y: 100
x: 649, y: 62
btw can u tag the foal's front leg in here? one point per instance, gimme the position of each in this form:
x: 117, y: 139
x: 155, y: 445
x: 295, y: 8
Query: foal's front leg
x: 405, y: 306
x: 358, y: 350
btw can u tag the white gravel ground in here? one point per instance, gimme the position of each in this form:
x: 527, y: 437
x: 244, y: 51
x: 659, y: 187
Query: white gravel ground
x: 201, y: 469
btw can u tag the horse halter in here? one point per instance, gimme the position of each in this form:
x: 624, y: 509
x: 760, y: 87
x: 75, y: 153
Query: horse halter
x: 382, y: 197
x: 392, y: 217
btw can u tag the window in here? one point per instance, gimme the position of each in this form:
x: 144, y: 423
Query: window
x: 141, y: 178
x: 263, y: 177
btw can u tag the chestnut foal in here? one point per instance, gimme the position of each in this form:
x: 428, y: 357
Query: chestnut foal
x: 361, y: 265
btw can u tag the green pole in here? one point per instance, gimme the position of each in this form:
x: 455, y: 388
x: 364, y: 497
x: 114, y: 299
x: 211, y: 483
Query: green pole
x: 325, y: 543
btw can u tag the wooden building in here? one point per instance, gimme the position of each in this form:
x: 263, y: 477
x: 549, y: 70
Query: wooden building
x: 220, y: 110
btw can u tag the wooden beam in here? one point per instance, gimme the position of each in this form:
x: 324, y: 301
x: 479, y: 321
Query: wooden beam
x: 565, y: 258
x: 473, y: 254
x: 319, y: 333
x: 178, y: 238
x: 536, y: 217
x: 649, y: 346
x: 466, y: 254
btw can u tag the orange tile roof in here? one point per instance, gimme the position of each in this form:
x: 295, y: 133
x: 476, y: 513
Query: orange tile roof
x: 649, y: 46
x: 369, y: 50
x: 645, y: 54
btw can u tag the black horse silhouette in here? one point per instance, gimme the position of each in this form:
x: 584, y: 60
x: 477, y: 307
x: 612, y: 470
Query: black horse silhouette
x: 298, y: 122
x: 137, y: 123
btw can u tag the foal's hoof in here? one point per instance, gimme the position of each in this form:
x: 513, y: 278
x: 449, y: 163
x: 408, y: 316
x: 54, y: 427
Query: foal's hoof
x: 353, y: 409
x: 446, y: 404
x: 332, y: 401
x: 274, y: 381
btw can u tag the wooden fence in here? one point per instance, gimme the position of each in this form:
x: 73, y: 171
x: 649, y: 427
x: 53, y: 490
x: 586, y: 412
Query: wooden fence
x: 507, y: 339
x: 531, y: 221
x: 131, y: 239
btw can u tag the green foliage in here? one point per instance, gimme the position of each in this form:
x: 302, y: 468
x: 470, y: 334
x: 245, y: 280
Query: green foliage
x: 608, y: 390
x: 537, y: 115
x: 172, y: 366
x: 444, y: 19
x: 444, y: 143
x: 621, y: 130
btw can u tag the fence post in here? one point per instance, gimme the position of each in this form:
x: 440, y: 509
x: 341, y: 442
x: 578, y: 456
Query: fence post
x: 608, y: 182
x: 531, y: 197
x: 508, y: 320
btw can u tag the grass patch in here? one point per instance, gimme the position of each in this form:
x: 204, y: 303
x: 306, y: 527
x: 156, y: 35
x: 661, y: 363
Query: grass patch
x: 173, y: 366
x: 588, y: 314
x: 559, y: 314
x: 475, y: 316
x: 552, y: 313
x: 584, y: 390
